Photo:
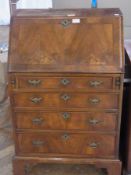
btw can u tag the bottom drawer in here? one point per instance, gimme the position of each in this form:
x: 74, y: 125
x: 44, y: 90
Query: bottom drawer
x: 81, y: 144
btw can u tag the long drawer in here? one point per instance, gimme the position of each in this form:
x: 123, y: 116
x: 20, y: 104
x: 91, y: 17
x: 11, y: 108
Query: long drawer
x: 85, y: 144
x: 67, y: 100
x: 99, y: 121
x: 68, y: 82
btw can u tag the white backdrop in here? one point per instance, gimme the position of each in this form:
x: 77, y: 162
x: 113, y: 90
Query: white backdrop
x: 5, y: 11
x: 34, y: 4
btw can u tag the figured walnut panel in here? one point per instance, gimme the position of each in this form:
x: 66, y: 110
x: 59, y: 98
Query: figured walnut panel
x: 46, y: 45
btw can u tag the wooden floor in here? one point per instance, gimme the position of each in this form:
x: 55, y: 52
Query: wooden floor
x: 6, y: 141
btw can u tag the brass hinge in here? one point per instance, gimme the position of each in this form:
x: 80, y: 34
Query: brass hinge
x: 13, y: 81
x: 118, y: 82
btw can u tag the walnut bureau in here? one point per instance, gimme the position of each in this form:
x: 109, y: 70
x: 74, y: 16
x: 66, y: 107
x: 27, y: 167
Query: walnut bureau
x: 65, y: 85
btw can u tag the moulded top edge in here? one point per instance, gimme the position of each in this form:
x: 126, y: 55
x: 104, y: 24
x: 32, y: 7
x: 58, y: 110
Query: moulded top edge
x: 67, y: 12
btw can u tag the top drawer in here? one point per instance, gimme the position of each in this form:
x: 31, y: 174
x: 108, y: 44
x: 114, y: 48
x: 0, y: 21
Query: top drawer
x: 65, y: 82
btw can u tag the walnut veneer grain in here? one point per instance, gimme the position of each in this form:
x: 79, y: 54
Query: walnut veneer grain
x: 65, y: 85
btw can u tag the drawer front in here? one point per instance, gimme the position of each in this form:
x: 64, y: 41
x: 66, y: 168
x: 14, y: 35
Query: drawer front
x: 100, y: 121
x: 89, y: 83
x: 67, y: 100
x: 92, y: 145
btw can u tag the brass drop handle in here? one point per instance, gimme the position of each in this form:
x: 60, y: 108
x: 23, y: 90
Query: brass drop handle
x: 65, y: 137
x: 66, y: 116
x: 65, y: 82
x: 37, y: 121
x: 94, y: 101
x: 94, y: 145
x: 95, y: 83
x: 94, y: 121
x: 34, y: 82
x: 36, y: 100
x: 65, y: 97
x: 37, y: 143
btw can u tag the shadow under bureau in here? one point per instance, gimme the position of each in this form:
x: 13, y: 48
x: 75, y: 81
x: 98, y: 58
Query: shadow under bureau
x: 65, y: 85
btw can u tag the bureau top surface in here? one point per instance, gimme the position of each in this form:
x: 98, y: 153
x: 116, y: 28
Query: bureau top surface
x: 79, y: 40
x: 47, y: 13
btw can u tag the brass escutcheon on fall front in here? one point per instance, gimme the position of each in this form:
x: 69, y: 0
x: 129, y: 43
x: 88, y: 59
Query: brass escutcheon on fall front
x: 65, y: 22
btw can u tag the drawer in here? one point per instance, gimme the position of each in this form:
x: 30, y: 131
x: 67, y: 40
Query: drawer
x: 100, y: 121
x: 88, y: 83
x: 84, y: 144
x: 67, y: 100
